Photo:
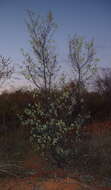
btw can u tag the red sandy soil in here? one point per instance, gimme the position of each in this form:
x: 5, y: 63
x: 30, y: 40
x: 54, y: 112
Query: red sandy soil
x: 47, y: 178
x: 100, y: 128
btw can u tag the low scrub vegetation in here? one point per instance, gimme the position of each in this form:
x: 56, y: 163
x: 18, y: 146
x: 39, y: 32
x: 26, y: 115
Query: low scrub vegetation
x: 60, y: 130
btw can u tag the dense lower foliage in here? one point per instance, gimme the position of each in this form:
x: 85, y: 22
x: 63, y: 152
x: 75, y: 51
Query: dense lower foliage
x: 50, y: 118
x: 54, y: 124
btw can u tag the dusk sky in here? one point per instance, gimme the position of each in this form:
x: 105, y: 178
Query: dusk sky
x: 89, y: 18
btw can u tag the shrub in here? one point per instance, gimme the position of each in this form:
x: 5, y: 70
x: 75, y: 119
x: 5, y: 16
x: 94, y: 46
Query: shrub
x: 51, y: 121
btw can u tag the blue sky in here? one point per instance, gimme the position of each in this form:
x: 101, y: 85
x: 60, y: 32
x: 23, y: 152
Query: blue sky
x: 89, y: 18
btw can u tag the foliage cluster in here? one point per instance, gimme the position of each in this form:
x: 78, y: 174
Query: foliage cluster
x: 51, y: 122
x: 51, y: 119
